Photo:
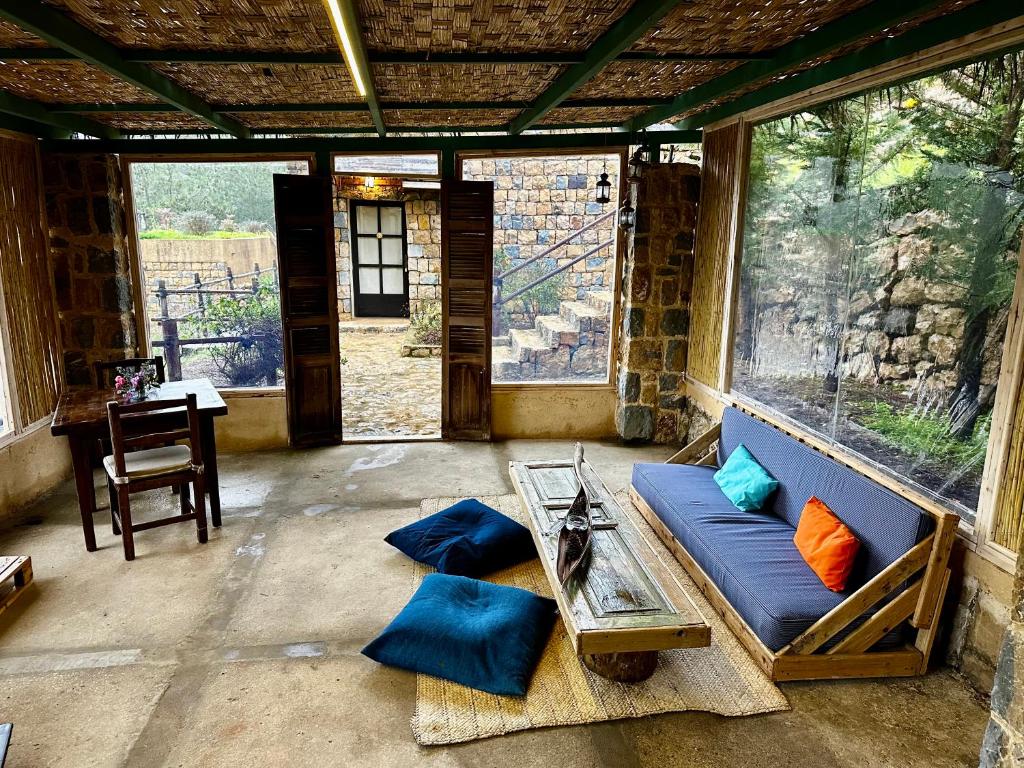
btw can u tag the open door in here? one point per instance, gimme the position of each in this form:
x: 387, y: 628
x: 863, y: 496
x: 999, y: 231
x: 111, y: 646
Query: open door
x: 309, y: 308
x: 467, y: 255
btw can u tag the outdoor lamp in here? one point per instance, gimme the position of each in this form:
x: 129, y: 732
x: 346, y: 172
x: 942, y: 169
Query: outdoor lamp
x: 627, y: 216
x: 636, y: 165
x: 604, y: 190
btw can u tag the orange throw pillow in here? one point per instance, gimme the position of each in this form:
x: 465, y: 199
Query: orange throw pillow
x: 827, y: 545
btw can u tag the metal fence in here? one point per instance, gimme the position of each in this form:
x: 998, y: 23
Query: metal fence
x: 245, y: 284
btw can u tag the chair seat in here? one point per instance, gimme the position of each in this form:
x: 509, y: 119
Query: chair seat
x: 152, y: 462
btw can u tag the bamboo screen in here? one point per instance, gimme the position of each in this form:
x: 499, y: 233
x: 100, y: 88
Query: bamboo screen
x: 25, y: 279
x: 711, y: 252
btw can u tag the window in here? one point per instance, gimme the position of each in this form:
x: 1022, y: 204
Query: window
x: 404, y: 165
x: 554, y: 266
x: 878, y: 266
x: 208, y: 257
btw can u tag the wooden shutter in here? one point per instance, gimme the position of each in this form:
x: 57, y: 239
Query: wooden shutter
x: 467, y: 255
x: 309, y: 307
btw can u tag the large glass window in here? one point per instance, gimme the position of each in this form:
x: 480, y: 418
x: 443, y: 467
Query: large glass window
x: 554, y: 265
x: 208, y: 254
x: 879, y: 259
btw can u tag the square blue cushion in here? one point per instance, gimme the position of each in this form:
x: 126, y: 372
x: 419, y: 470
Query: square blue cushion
x: 466, y: 539
x: 745, y: 482
x: 471, y: 632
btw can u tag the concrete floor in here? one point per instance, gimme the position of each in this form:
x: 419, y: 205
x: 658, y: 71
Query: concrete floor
x: 245, y: 651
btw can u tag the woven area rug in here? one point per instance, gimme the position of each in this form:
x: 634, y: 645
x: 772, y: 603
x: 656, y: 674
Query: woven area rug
x: 721, y: 678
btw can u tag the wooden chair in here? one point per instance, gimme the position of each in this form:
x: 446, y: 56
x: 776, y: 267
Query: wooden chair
x: 146, y: 455
x: 106, y: 371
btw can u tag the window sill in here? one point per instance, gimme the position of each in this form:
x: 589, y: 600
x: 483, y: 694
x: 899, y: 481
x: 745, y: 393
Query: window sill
x: 541, y: 386
x: 16, y: 435
x: 234, y: 393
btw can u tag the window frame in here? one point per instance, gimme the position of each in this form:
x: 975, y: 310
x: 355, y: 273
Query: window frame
x: 976, y: 536
x: 143, y: 341
x: 621, y: 244
x: 11, y: 412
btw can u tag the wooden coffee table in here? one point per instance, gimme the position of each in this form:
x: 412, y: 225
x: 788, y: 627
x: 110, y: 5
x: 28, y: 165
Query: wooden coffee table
x: 626, y: 606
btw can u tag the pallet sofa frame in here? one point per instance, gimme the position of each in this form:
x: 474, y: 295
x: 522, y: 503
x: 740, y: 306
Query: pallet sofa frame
x: 802, y: 659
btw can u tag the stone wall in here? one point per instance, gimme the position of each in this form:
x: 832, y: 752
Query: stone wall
x: 177, y: 262
x: 904, y: 327
x: 92, y: 279
x: 655, y: 306
x: 423, y: 236
x: 539, y: 201
x: 1003, y: 746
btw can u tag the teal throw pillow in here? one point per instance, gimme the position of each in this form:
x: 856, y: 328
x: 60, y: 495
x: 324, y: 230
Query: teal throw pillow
x: 745, y: 482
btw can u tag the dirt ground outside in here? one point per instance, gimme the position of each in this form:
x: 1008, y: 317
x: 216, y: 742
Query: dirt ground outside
x: 382, y: 393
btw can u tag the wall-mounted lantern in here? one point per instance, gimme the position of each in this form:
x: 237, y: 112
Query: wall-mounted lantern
x: 604, y: 190
x: 627, y: 216
x: 369, y: 182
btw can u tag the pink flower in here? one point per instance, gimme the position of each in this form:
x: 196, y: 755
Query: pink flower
x: 119, y: 381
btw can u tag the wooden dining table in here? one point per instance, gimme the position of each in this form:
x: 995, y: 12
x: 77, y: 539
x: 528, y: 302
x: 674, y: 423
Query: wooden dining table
x: 81, y: 415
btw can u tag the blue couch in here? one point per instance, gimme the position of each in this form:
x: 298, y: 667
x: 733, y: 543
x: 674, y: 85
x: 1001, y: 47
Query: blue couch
x: 751, y: 557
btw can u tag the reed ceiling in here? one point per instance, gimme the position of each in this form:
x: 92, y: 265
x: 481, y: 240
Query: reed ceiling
x: 515, y: 58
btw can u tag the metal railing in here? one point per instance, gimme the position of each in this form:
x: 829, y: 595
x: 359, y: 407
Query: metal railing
x: 172, y: 343
x: 499, y: 300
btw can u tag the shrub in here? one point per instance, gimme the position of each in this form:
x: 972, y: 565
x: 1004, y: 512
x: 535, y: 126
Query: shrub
x: 198, y: 222
x: 229, y: 225
x: 256, y: 319
x: 928, y: 436
x: 255, y: 227
x: 542, y: 299
x: 425, y: 322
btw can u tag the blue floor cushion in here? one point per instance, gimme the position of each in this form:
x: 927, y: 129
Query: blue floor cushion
x: 466, y: 539
x: 479, y: 634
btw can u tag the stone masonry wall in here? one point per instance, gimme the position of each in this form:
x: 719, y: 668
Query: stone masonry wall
x: 539, y: 201
x: 656, y: 306
x: 423, y: 236
x: 1003, y: 745
x: 92, y: 280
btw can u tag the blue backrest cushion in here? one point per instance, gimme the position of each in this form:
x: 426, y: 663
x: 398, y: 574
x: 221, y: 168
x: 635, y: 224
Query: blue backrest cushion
x: 886, y: 524
x: 475, y: 633
x: 468, y: 538
x: 745, y: 482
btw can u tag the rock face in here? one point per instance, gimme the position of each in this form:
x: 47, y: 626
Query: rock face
x: 903, y: 325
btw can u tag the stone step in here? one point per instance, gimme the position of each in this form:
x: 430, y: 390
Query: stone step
x: 557, y: 331
x: 526, y: 343
x: 581, y: 314
x: 602, y: 300
x: 504, y: 366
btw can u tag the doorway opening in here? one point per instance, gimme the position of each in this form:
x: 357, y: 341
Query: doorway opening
x: 388, y: 239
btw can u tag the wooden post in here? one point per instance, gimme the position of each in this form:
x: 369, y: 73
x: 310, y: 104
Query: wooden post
x: 256, y: 277
x: 199, y: 294
x: 231, y: 278
x: 172, y: 349
x: 161, y: 295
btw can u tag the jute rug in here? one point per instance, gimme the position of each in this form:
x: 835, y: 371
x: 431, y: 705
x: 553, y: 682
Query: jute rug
x: 720, y: 678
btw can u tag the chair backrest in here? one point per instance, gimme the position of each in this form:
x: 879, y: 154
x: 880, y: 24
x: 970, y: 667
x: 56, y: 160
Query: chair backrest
x: 152, y: 423
x: 886, y: 524
x: 106, y: 371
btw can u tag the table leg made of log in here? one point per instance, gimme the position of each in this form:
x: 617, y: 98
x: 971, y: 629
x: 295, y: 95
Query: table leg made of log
x: 81, y: 461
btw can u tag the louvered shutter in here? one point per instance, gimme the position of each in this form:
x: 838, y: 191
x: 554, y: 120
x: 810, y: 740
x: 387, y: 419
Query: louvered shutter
x: 309, y: 308
x: 467, y: 247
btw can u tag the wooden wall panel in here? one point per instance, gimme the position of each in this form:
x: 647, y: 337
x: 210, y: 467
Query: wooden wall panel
x: 25, y: 278
x: 713, y: 251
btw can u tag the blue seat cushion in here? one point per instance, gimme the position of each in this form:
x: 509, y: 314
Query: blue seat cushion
x: 750, y: 557
x: 466, y: 539
x: 886, y: 524
x: 475, y: 633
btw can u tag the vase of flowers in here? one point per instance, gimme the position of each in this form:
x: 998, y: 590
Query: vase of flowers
x: 131, y: 384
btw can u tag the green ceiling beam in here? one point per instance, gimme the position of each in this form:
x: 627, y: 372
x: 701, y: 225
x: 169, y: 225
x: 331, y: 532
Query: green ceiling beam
x: 620, y: 36
x: 350, y: 15
x: 552, y: 141
x: 452, y: 130
x: 974, y: 18
x: 31, y: 127
x: 852, y: 27
x: 59, y: 30
x: 356, y: 106
x: 39, y: 113
x: 270, y: 58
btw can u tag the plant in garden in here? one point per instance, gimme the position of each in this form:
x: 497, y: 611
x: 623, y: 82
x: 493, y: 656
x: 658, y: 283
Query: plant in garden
x: 198, y: 222
x: 256, y: 320
x: 928, y: 437
x: 542, y: 299
x: 425, y: 322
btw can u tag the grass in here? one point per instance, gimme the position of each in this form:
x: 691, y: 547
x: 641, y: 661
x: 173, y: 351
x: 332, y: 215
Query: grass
x: 928, y: 435
x: 174, y: 234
